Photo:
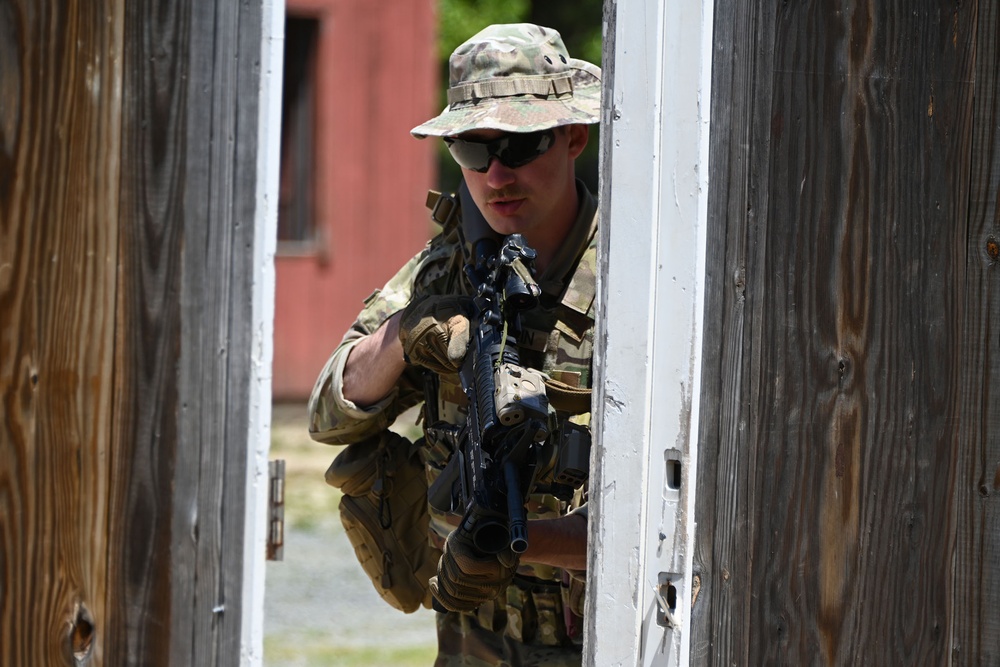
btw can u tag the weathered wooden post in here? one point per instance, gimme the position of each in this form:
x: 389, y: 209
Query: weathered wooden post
x: 840, y: 518
x: 60, y: 120
x: 847, y: 502
x: 136, y: 289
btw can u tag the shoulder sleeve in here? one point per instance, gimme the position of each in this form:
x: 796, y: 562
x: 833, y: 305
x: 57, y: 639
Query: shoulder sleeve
x: 332, y: 418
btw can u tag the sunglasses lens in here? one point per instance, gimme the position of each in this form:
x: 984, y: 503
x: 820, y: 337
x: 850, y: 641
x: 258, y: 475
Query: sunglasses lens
x: 523, y: 148
x: 513, y: 150
x: 469, y: 154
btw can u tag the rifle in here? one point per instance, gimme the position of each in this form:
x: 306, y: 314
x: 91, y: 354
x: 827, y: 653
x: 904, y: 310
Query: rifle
x: 508, y: 410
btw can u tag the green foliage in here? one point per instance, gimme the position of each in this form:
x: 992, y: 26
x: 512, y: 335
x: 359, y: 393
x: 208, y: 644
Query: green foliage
x: 578, y: 21
x: 461, y: 19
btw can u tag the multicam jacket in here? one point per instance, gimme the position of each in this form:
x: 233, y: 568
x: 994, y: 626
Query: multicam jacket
x: 557, y: 338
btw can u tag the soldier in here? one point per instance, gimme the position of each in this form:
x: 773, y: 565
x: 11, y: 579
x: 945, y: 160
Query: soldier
x: 517, y: 118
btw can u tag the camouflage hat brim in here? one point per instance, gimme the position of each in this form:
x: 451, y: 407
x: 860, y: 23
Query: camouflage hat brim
x: 525, y: 112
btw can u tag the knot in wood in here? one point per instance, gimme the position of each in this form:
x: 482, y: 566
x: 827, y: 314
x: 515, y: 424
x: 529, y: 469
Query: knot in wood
x: 993, y: 248
x: 81, y: 634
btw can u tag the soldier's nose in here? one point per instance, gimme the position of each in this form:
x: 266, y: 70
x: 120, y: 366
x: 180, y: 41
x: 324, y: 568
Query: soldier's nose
x: 498, y: 175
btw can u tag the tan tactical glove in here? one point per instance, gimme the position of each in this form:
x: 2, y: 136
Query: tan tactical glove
x: 466, y: 578
x: 434, y: 331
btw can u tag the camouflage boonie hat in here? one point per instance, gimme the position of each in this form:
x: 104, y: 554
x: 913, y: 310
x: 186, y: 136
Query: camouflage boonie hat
x: 516, y: 78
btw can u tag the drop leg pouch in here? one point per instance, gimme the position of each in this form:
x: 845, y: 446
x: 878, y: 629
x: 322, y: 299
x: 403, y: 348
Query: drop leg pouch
x: 384, y: 513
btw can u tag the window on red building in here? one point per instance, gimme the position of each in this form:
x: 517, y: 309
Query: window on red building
x: 296, y: 202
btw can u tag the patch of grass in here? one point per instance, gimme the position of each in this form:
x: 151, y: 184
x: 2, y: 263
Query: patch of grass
x: 317, y: 653
x: 310, y: 504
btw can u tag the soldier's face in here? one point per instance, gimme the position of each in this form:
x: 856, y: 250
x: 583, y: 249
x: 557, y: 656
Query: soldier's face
x: 522, y: 199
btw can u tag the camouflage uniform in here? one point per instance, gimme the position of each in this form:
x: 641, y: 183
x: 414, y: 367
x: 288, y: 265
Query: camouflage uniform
x: 538, y: 621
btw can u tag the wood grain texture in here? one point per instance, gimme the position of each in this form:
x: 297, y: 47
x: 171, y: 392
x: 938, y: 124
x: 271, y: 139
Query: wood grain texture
x: 188, y: 201
x: 216, y: 359
x: 976, y: 630
x: 59, y: 168
x: 127, y: 193
x: 743, y: 50
x: 851, y: 325
x: 148, y: 335
x: 860, y: 341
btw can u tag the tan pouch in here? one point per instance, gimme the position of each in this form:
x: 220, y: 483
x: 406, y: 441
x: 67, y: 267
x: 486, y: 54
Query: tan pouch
x: 384, y: 512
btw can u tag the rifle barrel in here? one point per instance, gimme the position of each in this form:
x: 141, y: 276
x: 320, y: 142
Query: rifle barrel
x: 515, y: 509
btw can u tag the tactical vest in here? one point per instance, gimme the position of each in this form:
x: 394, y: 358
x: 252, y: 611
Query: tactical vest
x: 557, y: 338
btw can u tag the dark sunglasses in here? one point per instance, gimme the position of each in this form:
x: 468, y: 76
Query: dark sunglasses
x: 513, y: 150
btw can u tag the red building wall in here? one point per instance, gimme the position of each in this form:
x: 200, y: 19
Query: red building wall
x: 376, y: 78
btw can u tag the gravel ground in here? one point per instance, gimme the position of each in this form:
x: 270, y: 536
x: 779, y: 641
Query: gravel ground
x: 320, y: 590
x: 318, y: 600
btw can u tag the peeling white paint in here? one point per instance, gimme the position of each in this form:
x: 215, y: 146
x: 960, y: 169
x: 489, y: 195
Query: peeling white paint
x: 650, y: 339
x: 614, y: 404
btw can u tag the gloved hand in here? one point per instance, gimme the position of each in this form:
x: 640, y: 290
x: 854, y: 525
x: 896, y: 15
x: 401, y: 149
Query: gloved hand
x: 434, y: 331
x: 466, y: 577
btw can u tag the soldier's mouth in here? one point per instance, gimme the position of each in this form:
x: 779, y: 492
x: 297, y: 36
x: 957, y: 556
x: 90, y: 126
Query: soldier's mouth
x: 505, y: 206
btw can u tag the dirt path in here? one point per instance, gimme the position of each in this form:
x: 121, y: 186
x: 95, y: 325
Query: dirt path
x: 318, y: 602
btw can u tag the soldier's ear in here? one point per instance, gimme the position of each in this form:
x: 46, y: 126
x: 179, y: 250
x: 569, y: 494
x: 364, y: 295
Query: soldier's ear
x: 577, y: 137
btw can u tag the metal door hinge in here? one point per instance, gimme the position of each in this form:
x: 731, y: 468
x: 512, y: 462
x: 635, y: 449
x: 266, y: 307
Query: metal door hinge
x: 276, y: 510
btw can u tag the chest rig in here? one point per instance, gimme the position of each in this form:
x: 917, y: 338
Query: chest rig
x: 556, y: 338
